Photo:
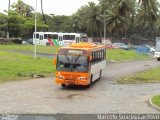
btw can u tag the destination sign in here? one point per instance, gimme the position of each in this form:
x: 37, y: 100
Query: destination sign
x: 72, y: 51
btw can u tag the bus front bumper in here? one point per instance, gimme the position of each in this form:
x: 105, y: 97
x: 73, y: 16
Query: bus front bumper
x: 72, y: 82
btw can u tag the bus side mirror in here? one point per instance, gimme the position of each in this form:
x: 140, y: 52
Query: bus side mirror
x: 54, y: 61
x: 90, y: 58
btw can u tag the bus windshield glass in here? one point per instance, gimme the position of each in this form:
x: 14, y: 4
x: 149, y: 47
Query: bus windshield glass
x: 72, y: 63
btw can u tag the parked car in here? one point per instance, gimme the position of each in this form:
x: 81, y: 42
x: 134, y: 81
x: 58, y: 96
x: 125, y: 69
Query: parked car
x: 111, y: 46
x: 149, y: 48
x: 97, y: 43
x: 121, y: 46
x: 27, y: 41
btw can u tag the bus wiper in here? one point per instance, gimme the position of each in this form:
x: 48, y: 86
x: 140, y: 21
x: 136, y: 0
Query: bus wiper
x: 76, y: 59
x: 67, y: 58
x: 71, y: 65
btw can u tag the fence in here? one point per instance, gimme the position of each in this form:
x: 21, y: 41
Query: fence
x: 10, y: 41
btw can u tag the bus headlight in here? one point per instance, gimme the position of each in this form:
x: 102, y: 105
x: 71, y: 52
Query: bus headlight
x: 82, y: 78
x: 60, y: 77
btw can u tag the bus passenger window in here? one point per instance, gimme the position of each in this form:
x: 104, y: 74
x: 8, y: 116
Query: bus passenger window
x: 37, y: 36
x: 45, y: 36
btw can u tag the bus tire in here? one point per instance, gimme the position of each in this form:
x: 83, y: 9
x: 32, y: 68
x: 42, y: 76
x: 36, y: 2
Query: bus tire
x: 63, y: 85
x: 100, y: 74
x: 47, y: 44
x: 158, y: 59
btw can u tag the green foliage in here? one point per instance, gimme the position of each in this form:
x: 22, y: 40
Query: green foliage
x: 124, y: 18
x: 29, y: 48
x: 18, y: 67
x: 15, y: 65
x: 120, y: 55
x: 156, y: 100
x: 147, y: 76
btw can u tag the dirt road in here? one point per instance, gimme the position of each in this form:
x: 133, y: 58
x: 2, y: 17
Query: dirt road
x: 104, y: 96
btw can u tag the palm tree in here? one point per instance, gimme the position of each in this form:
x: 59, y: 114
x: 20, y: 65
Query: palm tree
x: 148, y: 14
x: 92, y: 18
x: 116, y: 23
x: 118, y: 13
x: 22, y: 8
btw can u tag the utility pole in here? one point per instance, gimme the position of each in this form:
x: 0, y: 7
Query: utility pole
x: 8, y: 19
x: 104, y: 29
x: 35, y: 35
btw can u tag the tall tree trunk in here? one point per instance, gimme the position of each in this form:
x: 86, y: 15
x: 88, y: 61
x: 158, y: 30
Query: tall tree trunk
x: 43, y: 14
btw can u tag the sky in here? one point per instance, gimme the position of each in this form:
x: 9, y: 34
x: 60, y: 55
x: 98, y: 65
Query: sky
x: 57, y: 7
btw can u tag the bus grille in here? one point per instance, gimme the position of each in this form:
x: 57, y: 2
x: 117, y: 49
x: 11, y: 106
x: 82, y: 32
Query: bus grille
x: 72, y: 77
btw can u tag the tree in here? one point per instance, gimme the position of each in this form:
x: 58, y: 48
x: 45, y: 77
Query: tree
x: 92, y: 15
x: 22, y: 8
x: 148, y: 15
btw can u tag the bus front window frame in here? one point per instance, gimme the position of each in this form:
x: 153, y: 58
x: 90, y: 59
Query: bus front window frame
x: 72, y: 63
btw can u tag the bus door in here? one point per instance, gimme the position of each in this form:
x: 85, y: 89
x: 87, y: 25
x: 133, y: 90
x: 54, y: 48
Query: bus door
x: 60, y: 39
x: 77, y: 39
x: 36, y: 38
x: 41, y: 41
x: 45, y: 39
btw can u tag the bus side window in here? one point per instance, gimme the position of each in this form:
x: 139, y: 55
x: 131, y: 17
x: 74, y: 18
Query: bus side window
x: 97, y: 56
x: 104, y: 54
x: 45, y: 36
x: 37, y: 36
x: 93, y: 58
x: 101, y: 55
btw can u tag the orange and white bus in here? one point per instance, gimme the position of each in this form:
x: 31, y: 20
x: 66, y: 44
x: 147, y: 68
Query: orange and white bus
x: 80, y: 64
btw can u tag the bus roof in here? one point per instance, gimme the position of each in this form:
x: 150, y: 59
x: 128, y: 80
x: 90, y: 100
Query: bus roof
x: 84, y: 46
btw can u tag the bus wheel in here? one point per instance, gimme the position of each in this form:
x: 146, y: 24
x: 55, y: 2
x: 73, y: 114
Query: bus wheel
x: 100, y: 74
x: 47, y: 44
x: 63, y: 85
x: 158, y: 59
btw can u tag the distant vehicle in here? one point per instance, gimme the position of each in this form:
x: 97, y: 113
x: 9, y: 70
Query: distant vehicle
x: 27, y: 41
x: 121, y: 46
x: 80, y: 64
x: 149, y: 48
x: 111, y: 46
x: 97, y: 43
x: 58, y: 39
x: 157, y: 50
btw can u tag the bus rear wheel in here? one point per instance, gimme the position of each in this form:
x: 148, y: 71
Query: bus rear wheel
x: 47, y: 44
x: 63, y: 85
x: 100, y: 74
x: 158, y: 59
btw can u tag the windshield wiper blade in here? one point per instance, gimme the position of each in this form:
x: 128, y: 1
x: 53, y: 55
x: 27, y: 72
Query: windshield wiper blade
x: 67, y: 58
x: 77, y: 59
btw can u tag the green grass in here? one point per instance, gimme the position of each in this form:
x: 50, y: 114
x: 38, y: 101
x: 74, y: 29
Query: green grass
x: 30, y: 48
x: 120, y: 55
x: 112, y: 54
x: 148, y: 76
x: 156, y: 100
x: 15, y: 66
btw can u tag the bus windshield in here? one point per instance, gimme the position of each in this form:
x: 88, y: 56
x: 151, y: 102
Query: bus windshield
x: 72, y: 63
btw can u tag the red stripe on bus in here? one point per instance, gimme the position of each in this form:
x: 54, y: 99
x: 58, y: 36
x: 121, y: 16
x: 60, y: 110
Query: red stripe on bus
x: 50, y: 41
